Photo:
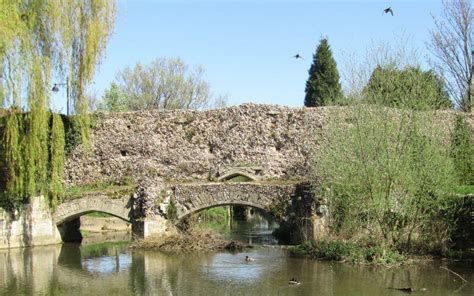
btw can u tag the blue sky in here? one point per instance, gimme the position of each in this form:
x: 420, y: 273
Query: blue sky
x: 246, y: 46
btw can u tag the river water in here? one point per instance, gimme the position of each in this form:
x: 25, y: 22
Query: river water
x: 114, y: 269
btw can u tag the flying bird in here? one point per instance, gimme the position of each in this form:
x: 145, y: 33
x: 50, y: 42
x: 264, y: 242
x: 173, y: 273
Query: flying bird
x: 297, y: 56
x: 388, y: 9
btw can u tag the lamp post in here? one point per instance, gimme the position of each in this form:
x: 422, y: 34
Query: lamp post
x: 56, y: 89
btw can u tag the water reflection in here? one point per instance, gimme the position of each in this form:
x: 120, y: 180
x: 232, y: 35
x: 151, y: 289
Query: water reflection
x: 253, y: 232
x: 113, y: 269
x: 240, y: 223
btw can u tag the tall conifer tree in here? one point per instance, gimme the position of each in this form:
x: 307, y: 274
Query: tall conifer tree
x: 322, y: 87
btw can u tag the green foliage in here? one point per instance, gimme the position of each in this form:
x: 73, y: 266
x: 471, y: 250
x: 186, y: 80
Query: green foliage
x: 215, y: 218
x: 99, y: 215
x: 39, y: 40
x: 323, y: 87
x: 216, y: 213
x: 464, y: 189
x: 14, y: 161
x: 71, y: 133
x: 346, y: 251
x: 33, y: 157
x: 57, y: 159
x: 408, y: 88
x: 462, y: 151
x: 239, y: 178
x: 113, y: 189
x: 457, y: 210
x: 385, y: 172
x: 165, y: 83
x: 171, y: 211
x: 114, y: 100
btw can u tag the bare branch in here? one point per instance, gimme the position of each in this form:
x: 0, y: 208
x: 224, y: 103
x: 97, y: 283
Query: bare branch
x: 451, y: 46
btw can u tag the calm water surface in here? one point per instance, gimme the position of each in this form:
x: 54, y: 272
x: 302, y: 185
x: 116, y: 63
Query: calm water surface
x: 113, y: 269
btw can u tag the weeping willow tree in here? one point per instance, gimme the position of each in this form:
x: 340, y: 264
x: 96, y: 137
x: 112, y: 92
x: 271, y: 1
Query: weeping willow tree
x: 39, y: 40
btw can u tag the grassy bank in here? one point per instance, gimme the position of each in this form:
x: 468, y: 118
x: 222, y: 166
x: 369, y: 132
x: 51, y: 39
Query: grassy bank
x: 344, y: 251
x: 348, y: 252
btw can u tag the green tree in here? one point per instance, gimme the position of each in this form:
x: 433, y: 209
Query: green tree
x: 462, y: 151
x: 114, y: 100
x: 166, y: 83
x: 410, y: 88
x: 323, y: 87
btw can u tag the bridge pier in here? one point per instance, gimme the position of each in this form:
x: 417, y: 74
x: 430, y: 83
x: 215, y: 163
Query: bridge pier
x: 31, y: 225
x: 155, y: 226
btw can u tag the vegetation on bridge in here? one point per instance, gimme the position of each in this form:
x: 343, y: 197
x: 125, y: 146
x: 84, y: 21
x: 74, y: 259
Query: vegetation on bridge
x: 40, y: 40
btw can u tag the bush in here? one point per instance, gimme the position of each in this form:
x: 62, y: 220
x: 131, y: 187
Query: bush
x: 171, y: 211
x: 385, y: 174
x: 462, y: 151
x: 346, y: 251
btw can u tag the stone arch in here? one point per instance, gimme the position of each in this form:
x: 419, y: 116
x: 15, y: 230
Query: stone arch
x: 247, y: 204
x: 235, y: 172
x: 73, y: 209
x: 189, y: 198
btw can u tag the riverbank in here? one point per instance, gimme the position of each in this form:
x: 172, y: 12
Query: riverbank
x: 334, y: 250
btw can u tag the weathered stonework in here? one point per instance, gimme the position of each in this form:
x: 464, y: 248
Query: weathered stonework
x: 31, y: 225
x: 199, y: 146
x: 118, y: 207
x: 191, y: 197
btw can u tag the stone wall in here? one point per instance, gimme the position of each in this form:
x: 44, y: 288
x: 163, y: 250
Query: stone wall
x: 271, y: 142
x: 267, y: 141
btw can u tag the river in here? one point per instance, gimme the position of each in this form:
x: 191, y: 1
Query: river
x: 114, y: 269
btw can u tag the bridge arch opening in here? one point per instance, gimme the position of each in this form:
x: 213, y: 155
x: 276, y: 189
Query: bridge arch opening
x: 245, y: 223
x: 236, y: 177
x: 93, y: 226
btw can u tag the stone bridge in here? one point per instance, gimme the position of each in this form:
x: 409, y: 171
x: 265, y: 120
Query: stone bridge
x: 289, y: 202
